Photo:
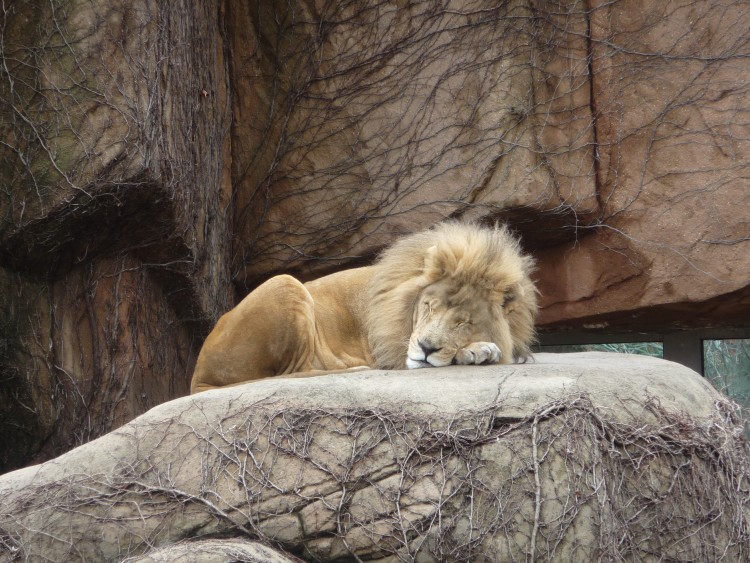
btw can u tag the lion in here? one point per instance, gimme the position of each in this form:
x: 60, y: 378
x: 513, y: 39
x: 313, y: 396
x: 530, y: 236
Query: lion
x: 454, y: 294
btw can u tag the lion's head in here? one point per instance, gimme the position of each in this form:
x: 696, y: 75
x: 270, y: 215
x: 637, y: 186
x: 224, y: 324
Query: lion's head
x: 456, y: 293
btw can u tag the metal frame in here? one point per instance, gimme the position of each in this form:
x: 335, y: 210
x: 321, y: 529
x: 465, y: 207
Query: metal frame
x: 681, y: 346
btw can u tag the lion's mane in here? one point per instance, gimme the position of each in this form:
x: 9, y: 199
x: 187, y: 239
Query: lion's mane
x: 484, y: 258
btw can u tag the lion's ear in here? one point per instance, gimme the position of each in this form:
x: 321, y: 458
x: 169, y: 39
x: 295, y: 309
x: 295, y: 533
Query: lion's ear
x: 512, y: 294
x: 430, y: 254
x: 432, y: 261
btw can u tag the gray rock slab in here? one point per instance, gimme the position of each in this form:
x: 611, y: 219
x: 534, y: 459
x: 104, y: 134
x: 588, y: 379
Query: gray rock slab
x: 213, y: 551
x: 392, y: 464
x: 619, y: 383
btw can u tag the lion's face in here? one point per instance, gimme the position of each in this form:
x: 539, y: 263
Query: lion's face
x: 459, y: 324
x: 455, y: 294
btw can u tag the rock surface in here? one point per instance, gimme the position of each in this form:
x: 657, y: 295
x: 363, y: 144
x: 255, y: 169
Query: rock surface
x: 670, y: 249
x: 113, y: 230
x: 615, y: 140
x: 161, y: 159
x: 213, y: 551
x: 573, y: 457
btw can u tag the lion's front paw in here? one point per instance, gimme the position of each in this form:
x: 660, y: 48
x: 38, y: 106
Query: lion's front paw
x: 478, y: 353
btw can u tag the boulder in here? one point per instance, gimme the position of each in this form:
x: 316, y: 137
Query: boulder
x: 573, y: 457
x: 213, y: 551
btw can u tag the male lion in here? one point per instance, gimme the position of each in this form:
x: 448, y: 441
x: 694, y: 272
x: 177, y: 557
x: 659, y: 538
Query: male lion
x: 454, y: 294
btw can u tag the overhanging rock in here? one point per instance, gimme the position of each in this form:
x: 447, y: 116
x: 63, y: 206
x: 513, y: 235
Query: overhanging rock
x: 573, y: 457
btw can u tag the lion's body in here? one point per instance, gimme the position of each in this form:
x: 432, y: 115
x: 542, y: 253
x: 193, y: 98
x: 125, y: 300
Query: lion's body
x: 453, y: 294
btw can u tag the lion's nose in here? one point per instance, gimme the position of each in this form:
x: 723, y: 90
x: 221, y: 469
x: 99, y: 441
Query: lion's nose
x: 427, y: 349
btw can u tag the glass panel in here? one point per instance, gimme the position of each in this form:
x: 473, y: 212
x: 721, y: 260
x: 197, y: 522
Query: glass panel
x: 655, y: 349
x: 727, y: 365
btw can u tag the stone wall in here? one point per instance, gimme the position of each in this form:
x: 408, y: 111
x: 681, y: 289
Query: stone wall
x: 114, y: 226
x: 159, y: 160
x: 614, y: 136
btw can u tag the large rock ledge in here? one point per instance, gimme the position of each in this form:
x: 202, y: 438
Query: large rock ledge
x: 573, y: 457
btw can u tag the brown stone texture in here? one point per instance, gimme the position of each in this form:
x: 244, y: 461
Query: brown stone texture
x: 158, y: 160
x: 113, y: 226
x: 671, y: 98
x: 383, y: 120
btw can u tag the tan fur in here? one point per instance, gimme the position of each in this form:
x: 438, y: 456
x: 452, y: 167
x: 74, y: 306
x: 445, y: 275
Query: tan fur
x: 462, y: 292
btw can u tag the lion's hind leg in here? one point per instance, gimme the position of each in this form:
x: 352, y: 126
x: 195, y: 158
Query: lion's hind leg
x: 271, y: 332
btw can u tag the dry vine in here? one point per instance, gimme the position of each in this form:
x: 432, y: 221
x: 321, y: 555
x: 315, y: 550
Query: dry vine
x: 565, y: 483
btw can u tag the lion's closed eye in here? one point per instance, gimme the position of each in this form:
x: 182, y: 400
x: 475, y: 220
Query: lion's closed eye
x: 430, y: 304
x: 427, y: 306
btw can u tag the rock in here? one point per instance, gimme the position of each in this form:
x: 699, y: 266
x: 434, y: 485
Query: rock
x: 172, y: 156
x: 340, y: 157
x: 213, y: 551
x: 113, y: 235
x: 671, y: 248
x: 571, y: 457
x: 615, y: 142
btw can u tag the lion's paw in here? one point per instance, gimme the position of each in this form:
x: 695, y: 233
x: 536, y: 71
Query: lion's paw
x: 478, y: 353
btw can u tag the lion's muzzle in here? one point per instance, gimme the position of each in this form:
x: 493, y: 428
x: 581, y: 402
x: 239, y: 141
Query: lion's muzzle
x: 424, y: 354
